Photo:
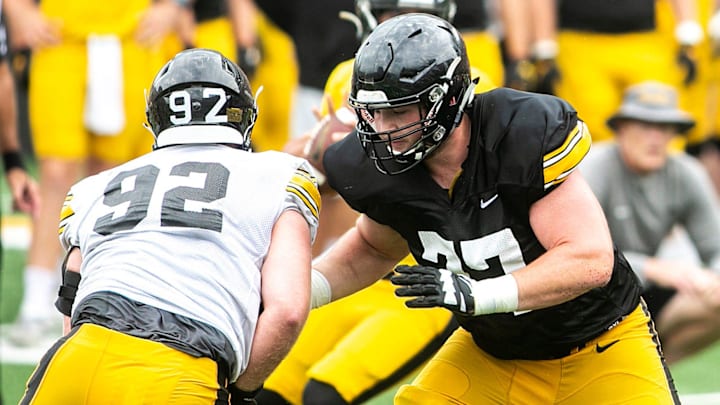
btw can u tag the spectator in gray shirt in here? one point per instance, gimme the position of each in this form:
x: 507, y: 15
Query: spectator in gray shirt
x: 646, y: 190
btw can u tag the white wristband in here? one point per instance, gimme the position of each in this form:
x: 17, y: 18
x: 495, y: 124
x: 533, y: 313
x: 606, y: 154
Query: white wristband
x: 714, y: 26
x: 689, y: 32
x: 545, y: 49
x: 321, y: 293
x: 495, y: 295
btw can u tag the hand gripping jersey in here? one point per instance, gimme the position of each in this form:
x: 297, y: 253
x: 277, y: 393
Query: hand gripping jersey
x: 186, y: 229
x: 522, y: 146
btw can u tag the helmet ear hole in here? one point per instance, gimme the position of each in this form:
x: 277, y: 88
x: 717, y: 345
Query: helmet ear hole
x: 201, y: 87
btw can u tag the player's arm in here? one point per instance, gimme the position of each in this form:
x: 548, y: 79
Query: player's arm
x: 363, y: 255
x: 29, y: 28
x: 23, y: 188
x: 570, y: 224
x: 70, y: 283
x: 285, y: 297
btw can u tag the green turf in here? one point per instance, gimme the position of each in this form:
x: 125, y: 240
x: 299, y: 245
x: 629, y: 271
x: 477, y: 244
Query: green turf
x: 13, y: 382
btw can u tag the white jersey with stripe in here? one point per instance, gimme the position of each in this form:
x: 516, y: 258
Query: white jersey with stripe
x: 186, y: 229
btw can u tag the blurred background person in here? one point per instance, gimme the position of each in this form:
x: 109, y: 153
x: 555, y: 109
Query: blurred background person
x: 321, y: 40
x: 603, y: 49
x: 90, y: 63
x: 703, y: 97
x: 242, y: 32
x: 529, y: 44
x: 646, y: 192
x: 23, y: 188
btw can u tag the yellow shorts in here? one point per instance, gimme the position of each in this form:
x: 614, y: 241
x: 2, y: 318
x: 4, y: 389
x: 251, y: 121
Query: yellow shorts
x: 484, y: 54
x: 622, y: 366
x: 595, y: 69
x: 96, y: 365
x: 57, y: 98
x: 361, y: 345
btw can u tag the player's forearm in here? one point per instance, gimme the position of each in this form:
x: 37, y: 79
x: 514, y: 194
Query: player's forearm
x: 8, y: 123
x: 275, y: 334
x: 517, y: 28
x: 570, y: 223
x: 242, y: 15
x: 543, y: 42
x: 353, y: 264
x: 562, y: 274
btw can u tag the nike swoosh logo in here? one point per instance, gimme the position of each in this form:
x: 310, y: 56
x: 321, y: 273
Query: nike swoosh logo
x: 484, y: 204
x: 601, y: 349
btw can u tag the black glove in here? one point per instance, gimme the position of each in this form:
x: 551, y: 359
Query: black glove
x: 547, y: 75
x: 240, y: 397
x: 249, y: 58
x: 687, y: 60
x: 434, y: 288
x: 521, y: 75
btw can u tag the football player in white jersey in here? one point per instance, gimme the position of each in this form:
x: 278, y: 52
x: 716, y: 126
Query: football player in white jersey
x: 188, y: 270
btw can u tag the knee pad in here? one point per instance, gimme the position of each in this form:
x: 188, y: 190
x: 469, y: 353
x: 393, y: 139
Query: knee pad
x: 319, y: 393
x: 269, y: 397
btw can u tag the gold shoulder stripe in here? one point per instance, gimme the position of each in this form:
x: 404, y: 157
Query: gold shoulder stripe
x: 304, y: 185
x: 559, y: 163
x: 65, y: 213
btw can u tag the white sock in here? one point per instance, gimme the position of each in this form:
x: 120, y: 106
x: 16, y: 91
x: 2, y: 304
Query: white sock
x: 40, y: 290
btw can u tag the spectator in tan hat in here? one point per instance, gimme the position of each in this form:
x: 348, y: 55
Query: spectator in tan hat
x: 646, y: 191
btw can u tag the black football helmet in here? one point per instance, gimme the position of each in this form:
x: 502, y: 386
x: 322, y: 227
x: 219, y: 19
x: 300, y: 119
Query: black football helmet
x: 410, y: 59
x: 368, y: 12
x: 201, y: 87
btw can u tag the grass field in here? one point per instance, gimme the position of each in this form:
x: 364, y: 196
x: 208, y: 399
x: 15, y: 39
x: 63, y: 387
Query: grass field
x: 697, y: 378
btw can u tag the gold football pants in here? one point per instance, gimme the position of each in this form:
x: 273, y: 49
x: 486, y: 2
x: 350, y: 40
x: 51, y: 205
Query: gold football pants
x: 621, y: 366
x: 96, y: 365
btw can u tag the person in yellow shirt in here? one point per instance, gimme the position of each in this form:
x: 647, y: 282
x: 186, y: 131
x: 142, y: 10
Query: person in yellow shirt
x: 602, y: 50
x: 91, y: 62
x: 242, y: 31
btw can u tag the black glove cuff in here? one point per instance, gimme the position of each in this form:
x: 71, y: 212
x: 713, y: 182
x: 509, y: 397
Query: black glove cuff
x: 248, y: 59
x: 239, y: 397
x: 67, y: 292
x: 12, y: 160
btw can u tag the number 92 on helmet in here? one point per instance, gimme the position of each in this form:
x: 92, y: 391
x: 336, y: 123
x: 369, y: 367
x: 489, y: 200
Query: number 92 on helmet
x: 201, y: 87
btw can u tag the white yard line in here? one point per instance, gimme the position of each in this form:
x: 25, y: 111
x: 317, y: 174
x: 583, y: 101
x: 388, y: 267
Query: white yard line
x: 709, y: 398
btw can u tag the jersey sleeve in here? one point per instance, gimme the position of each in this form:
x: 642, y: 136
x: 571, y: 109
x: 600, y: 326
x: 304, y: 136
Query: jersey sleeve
x: 302, y: 195
x: 537, y: 139
x: 560, y: 161
x: 70, y: 214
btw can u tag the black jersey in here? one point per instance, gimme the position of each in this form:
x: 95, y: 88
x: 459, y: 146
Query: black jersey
x: 607, y: 16
x: 472, y: 15
x: 206, y: 10
x: 522, y: 146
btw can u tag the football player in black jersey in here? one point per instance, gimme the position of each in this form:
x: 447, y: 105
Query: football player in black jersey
x: 482, y: 190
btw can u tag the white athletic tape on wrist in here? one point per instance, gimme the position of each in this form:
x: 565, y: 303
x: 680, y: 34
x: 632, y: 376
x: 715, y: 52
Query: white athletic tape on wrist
x: 714, y: 26
x: 689, y: 32
x: 545, y: 49
x: 321, y: 293
x: 495, y: 295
